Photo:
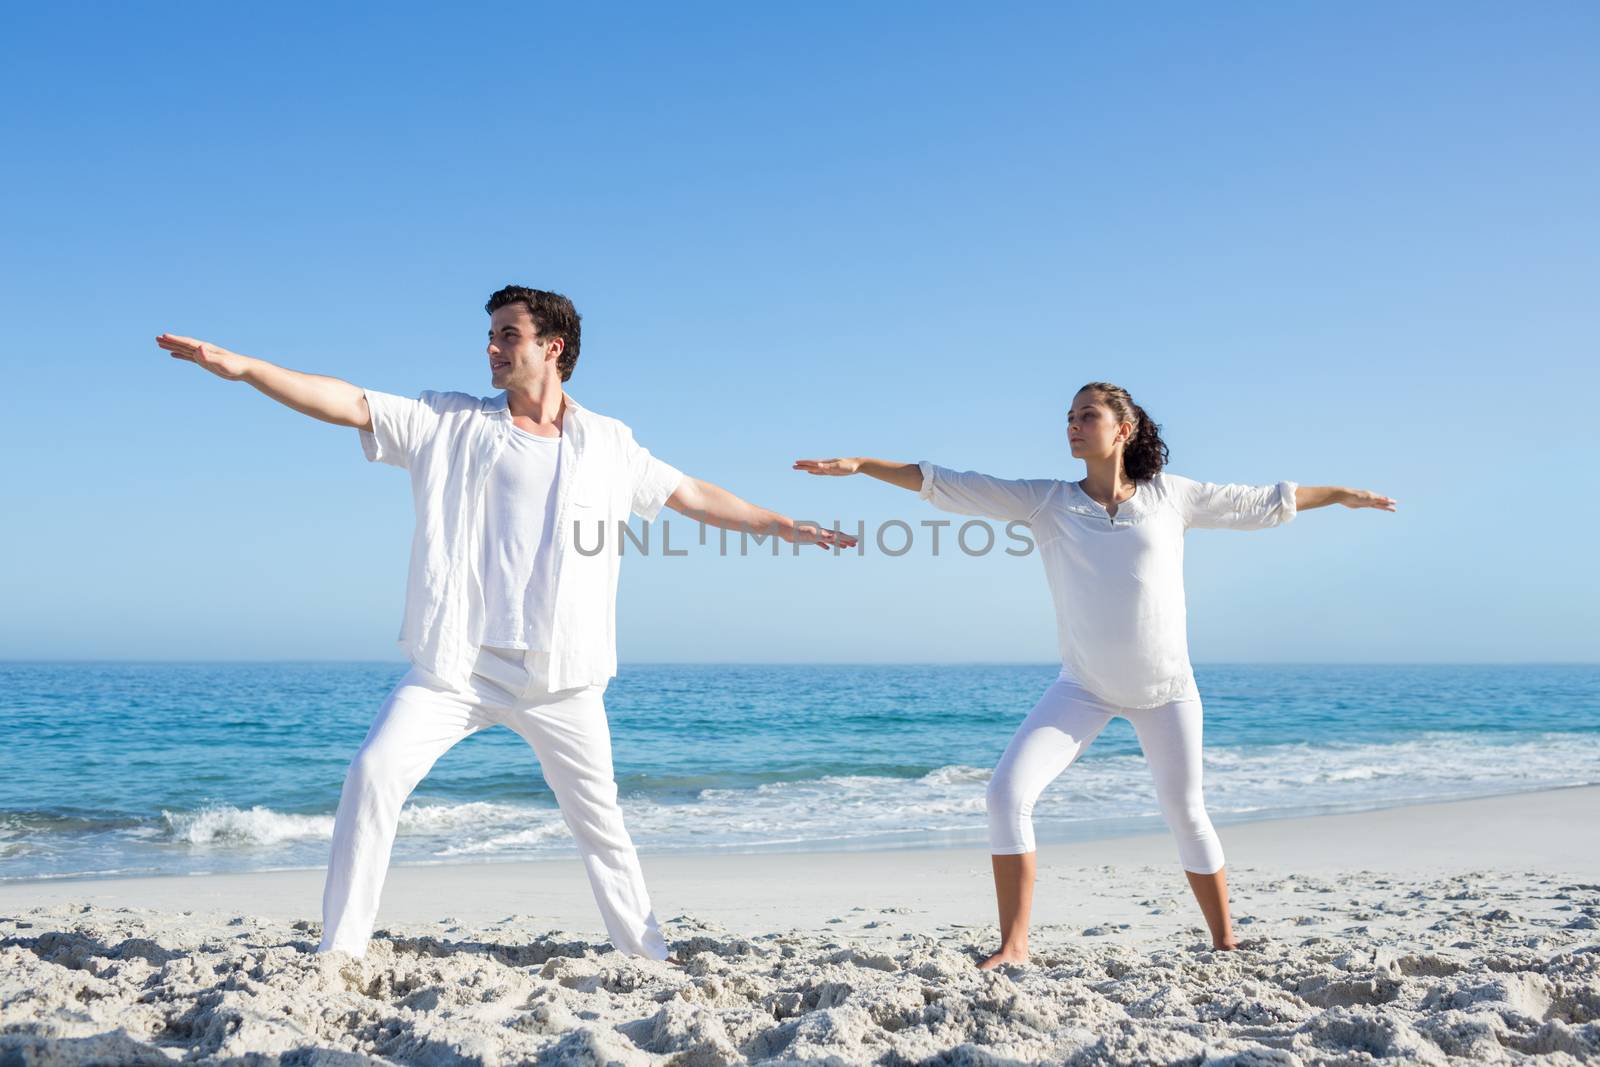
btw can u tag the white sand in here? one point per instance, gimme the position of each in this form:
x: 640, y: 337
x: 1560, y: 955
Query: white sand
x: 1446, y: 933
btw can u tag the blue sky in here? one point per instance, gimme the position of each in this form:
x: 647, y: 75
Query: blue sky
x: 1349, y: 244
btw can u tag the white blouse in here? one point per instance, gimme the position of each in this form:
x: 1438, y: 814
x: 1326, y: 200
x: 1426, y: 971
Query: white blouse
x: 1117, y: 580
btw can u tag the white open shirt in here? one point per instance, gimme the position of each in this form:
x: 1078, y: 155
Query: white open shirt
x: 1117, y: 581
x: 449, y: 442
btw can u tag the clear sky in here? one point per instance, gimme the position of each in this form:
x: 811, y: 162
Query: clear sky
x: 1337, y: 243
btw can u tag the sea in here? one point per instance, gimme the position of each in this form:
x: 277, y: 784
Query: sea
x: 118, y: 768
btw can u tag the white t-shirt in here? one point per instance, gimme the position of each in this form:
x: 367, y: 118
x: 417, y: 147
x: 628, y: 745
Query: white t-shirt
x: 519, y: 543
x: 1117, y: 580
x: 448, y: 443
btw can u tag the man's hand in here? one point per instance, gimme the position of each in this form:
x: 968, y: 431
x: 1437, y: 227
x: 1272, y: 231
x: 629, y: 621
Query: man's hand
x: 217, y: 360
x: 802, y: 533
x: 1365, y: 498
x: 317, y: 395
x: 715, y: 506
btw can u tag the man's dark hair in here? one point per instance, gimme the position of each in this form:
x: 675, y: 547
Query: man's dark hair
x: 553, y: 316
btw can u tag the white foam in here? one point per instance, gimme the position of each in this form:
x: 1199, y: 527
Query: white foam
x: 226, y: 825
x: 553, y: 830
x: 1097, y: 795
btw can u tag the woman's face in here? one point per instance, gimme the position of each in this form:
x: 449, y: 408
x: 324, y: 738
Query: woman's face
x: 1093, y: 429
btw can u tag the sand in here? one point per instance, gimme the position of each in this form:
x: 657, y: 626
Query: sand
x: 1443, y: 933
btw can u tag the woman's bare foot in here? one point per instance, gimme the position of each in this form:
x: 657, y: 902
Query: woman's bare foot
x: 1017, y: 957
x: 1229, y: 945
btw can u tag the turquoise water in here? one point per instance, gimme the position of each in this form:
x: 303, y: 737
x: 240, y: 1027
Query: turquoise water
x: 121, y: 768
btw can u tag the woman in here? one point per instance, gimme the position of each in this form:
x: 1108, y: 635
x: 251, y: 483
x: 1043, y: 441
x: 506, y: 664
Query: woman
x: 1112, y: 546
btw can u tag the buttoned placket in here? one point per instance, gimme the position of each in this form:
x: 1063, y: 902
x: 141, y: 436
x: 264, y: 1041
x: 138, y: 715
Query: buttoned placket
x: 1098, y: 511
x: 1097, y: 514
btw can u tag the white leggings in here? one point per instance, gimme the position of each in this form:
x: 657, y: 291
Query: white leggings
x: 422, y: 718
x: 1056, y: 732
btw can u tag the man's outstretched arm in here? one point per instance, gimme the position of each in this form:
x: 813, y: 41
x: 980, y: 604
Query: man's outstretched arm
x: 715, y: 506
x: 329, y: 399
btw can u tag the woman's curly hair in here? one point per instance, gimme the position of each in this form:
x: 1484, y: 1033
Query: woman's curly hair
x: 1145, y: 453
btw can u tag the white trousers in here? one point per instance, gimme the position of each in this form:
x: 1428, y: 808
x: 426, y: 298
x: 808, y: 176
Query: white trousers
x: 421, y: 719
x: 1057, y: 731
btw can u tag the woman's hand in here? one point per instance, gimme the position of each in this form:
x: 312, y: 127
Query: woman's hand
x: 1307, y: 497
x: 847, y: 465
x: 905, y: 475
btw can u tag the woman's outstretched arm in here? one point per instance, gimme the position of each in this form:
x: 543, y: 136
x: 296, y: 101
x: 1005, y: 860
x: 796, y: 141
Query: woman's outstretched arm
x: 962, y: 492
x: 1318, y: 496
x: 905, y: 475
x: 1256, y: 507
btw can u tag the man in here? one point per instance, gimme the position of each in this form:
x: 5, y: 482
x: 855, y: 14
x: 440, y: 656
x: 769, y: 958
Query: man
x: 506, y: 623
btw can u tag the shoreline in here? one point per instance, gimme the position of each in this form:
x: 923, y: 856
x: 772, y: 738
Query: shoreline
x: 1554, y: 831
x: 908, y: 841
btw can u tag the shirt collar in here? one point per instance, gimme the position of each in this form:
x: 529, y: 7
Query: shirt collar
x: 500, y: 404
x: 1135, y: 507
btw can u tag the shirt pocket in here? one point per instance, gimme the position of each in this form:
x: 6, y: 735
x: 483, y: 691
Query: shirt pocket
x: 598, y: 502
x: 588, y: 495
x: 599, y: 487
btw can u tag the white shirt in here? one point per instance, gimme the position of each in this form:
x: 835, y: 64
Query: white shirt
x: 519, y: 575
x: 449, y: 443
x: 1117, y: 581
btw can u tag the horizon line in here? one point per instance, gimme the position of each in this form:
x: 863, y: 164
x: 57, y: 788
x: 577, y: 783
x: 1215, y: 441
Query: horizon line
x: 857, y: 663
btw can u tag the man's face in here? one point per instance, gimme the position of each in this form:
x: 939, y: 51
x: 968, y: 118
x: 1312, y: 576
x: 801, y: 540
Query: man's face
x: 518, y: 357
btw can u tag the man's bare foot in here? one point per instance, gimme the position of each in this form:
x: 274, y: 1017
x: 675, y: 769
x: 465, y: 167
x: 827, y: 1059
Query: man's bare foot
x: 1017, y: 957
x: 1229, y: 945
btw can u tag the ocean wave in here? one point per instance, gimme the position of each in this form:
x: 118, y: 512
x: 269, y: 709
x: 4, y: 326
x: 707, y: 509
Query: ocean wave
x: 1112, y: 793
x: 958, y: 775
x: 552, y: 830
x: 225, y: 825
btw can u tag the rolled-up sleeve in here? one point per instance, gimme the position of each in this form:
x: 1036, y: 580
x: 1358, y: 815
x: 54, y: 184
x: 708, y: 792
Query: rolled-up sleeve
x: 1234, y: 507
x: 652, y: 480
x: 399, y: 426
x: 971, y: 493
